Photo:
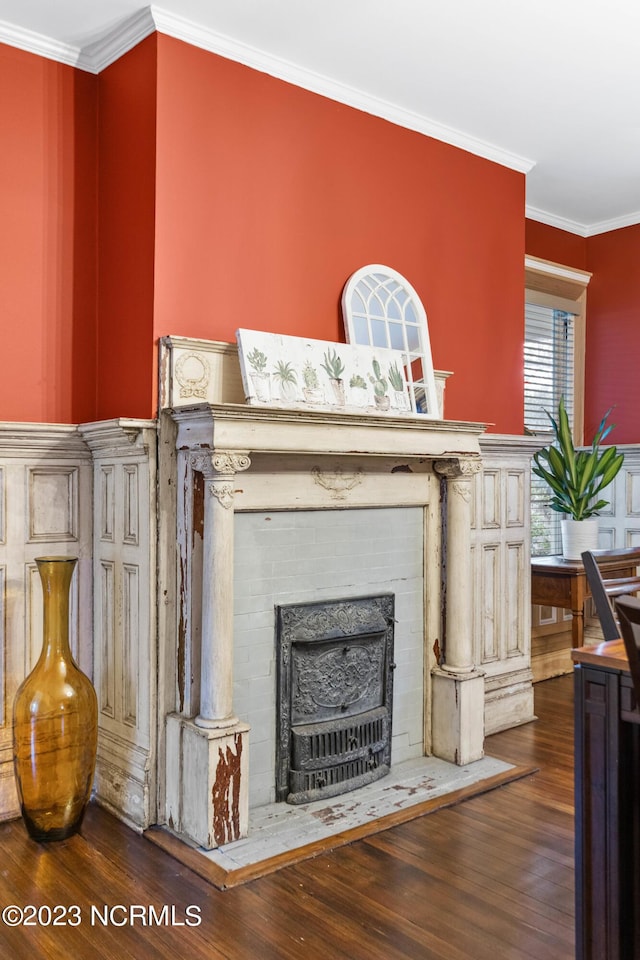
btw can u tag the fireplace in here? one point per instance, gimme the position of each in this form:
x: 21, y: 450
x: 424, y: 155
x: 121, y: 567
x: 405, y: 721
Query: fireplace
x: 335, y: 696
x: 251, y: 477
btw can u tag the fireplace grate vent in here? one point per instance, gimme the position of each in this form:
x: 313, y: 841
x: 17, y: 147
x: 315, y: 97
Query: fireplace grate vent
x: 330, y: 758
x: 340, y: 778
x: 322, y: 742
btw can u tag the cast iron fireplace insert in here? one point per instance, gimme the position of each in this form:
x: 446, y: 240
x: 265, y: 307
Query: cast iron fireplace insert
x: 334, y: 696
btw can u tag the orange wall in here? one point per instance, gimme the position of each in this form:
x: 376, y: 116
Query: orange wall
x: 560, y: 246
x: 127, y: 127
x: 182, y: 193
x: 47, y: 240
x: 613, y: 319
x: 269, y: 197
x: 613, y: 332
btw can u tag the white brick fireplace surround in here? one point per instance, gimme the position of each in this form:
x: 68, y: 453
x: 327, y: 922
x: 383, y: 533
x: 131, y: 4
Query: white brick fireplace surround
x: 235, y: 468
x: 284, y: 557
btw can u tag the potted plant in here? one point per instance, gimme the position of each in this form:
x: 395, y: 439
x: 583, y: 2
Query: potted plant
x: 397, y: 382
x: 259, y: 375
x: 379, y: 383
x: 286, y: 376
x: 575, y: 478
x: 311, y: 389
x: 358, y: 386
x: 334, y: 368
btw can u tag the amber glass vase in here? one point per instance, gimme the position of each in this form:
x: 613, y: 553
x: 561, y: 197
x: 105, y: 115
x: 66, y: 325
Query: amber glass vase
x: 55, y: 721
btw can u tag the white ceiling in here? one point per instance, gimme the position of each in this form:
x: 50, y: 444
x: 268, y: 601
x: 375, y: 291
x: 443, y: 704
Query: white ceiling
x: 550, y: 87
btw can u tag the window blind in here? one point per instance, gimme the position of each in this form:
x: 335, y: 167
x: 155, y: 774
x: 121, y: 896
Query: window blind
x: 549, y: 361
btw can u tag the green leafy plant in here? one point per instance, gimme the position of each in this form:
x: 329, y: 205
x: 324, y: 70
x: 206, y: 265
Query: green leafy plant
x: 358, y: 381
x: 379, y: 382
x: 395, y: 378
x: 284, y: 372
x: 575, y: 477
x: 333, y: 364
x: 258, y: 360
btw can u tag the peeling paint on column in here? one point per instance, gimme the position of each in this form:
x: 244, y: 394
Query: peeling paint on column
x: 225, y: 794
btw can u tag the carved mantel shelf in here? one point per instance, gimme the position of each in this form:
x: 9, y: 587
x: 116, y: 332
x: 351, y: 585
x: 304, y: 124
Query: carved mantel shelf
x: 260, y: 430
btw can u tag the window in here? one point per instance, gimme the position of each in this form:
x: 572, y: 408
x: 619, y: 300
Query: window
x: 549, y: 364
x: 553, y: 367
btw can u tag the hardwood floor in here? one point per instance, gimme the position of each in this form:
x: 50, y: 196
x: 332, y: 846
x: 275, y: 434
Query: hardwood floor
x: 489, y: 879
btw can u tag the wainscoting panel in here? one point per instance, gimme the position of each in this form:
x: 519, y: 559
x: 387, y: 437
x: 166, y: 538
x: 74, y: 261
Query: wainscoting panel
x: 502, y: 580
x: 124, y: 457
x: 45, y: 509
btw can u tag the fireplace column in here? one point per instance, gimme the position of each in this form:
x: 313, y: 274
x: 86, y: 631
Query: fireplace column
x: 216, y: 671
x: 211, y: 804
x: 458, y: 688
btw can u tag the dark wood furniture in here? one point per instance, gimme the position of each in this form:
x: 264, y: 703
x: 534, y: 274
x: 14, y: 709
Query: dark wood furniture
x: 607, y: 805
x: 628, y: 611
x: 605, y: 590
x: 563, y: 583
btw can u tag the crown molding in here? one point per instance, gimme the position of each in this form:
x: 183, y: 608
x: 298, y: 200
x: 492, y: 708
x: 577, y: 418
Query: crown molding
x: 206, y: 39
x: 617, y: 223
x: 562, y: 223
x: 93, y: 57
x: 96, y: 56
x: 37, y: 43
x: 583, y: 229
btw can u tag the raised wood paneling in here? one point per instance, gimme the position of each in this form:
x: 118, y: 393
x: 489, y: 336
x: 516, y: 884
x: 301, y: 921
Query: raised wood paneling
x: 489, y: 593
x: 502, y: 586
x: 52, y: 504
x: 517, y: 571
x: 124, y: 455
x: 516, y: 498
x: 131, y: 665
x: 131, y: 513
x: 45, y: 509
x: 106, y: 497
x: 105, y: 623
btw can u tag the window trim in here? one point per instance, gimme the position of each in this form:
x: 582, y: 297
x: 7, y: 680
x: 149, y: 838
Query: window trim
x: 550, y: 284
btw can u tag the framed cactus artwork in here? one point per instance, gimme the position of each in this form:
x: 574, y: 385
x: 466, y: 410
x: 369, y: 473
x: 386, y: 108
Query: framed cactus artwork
x: 297, y: 373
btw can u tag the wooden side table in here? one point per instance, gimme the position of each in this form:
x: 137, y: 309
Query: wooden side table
x: 563, y: 583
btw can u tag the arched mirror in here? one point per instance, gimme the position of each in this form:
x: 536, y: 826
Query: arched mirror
x: 381, y: 309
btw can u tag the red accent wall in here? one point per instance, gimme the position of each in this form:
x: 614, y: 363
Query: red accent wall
x: 560, y: 246
x: 613, y: 319
x: 269, y: 197
x: 126, y: 217
x: 47, y: 240
x: 182, y: 193
x: 613, y: 333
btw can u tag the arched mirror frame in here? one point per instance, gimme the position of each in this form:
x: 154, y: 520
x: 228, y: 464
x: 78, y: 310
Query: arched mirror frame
x: 380, y: 308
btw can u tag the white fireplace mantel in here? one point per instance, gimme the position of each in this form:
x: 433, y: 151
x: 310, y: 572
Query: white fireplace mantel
x: 262, y: 430
x: 231, y: 458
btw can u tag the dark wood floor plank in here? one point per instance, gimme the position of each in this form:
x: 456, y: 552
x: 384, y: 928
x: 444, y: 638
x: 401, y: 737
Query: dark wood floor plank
x: 488, y: 879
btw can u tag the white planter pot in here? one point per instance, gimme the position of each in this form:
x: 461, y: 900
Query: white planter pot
x: 578, y: 536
